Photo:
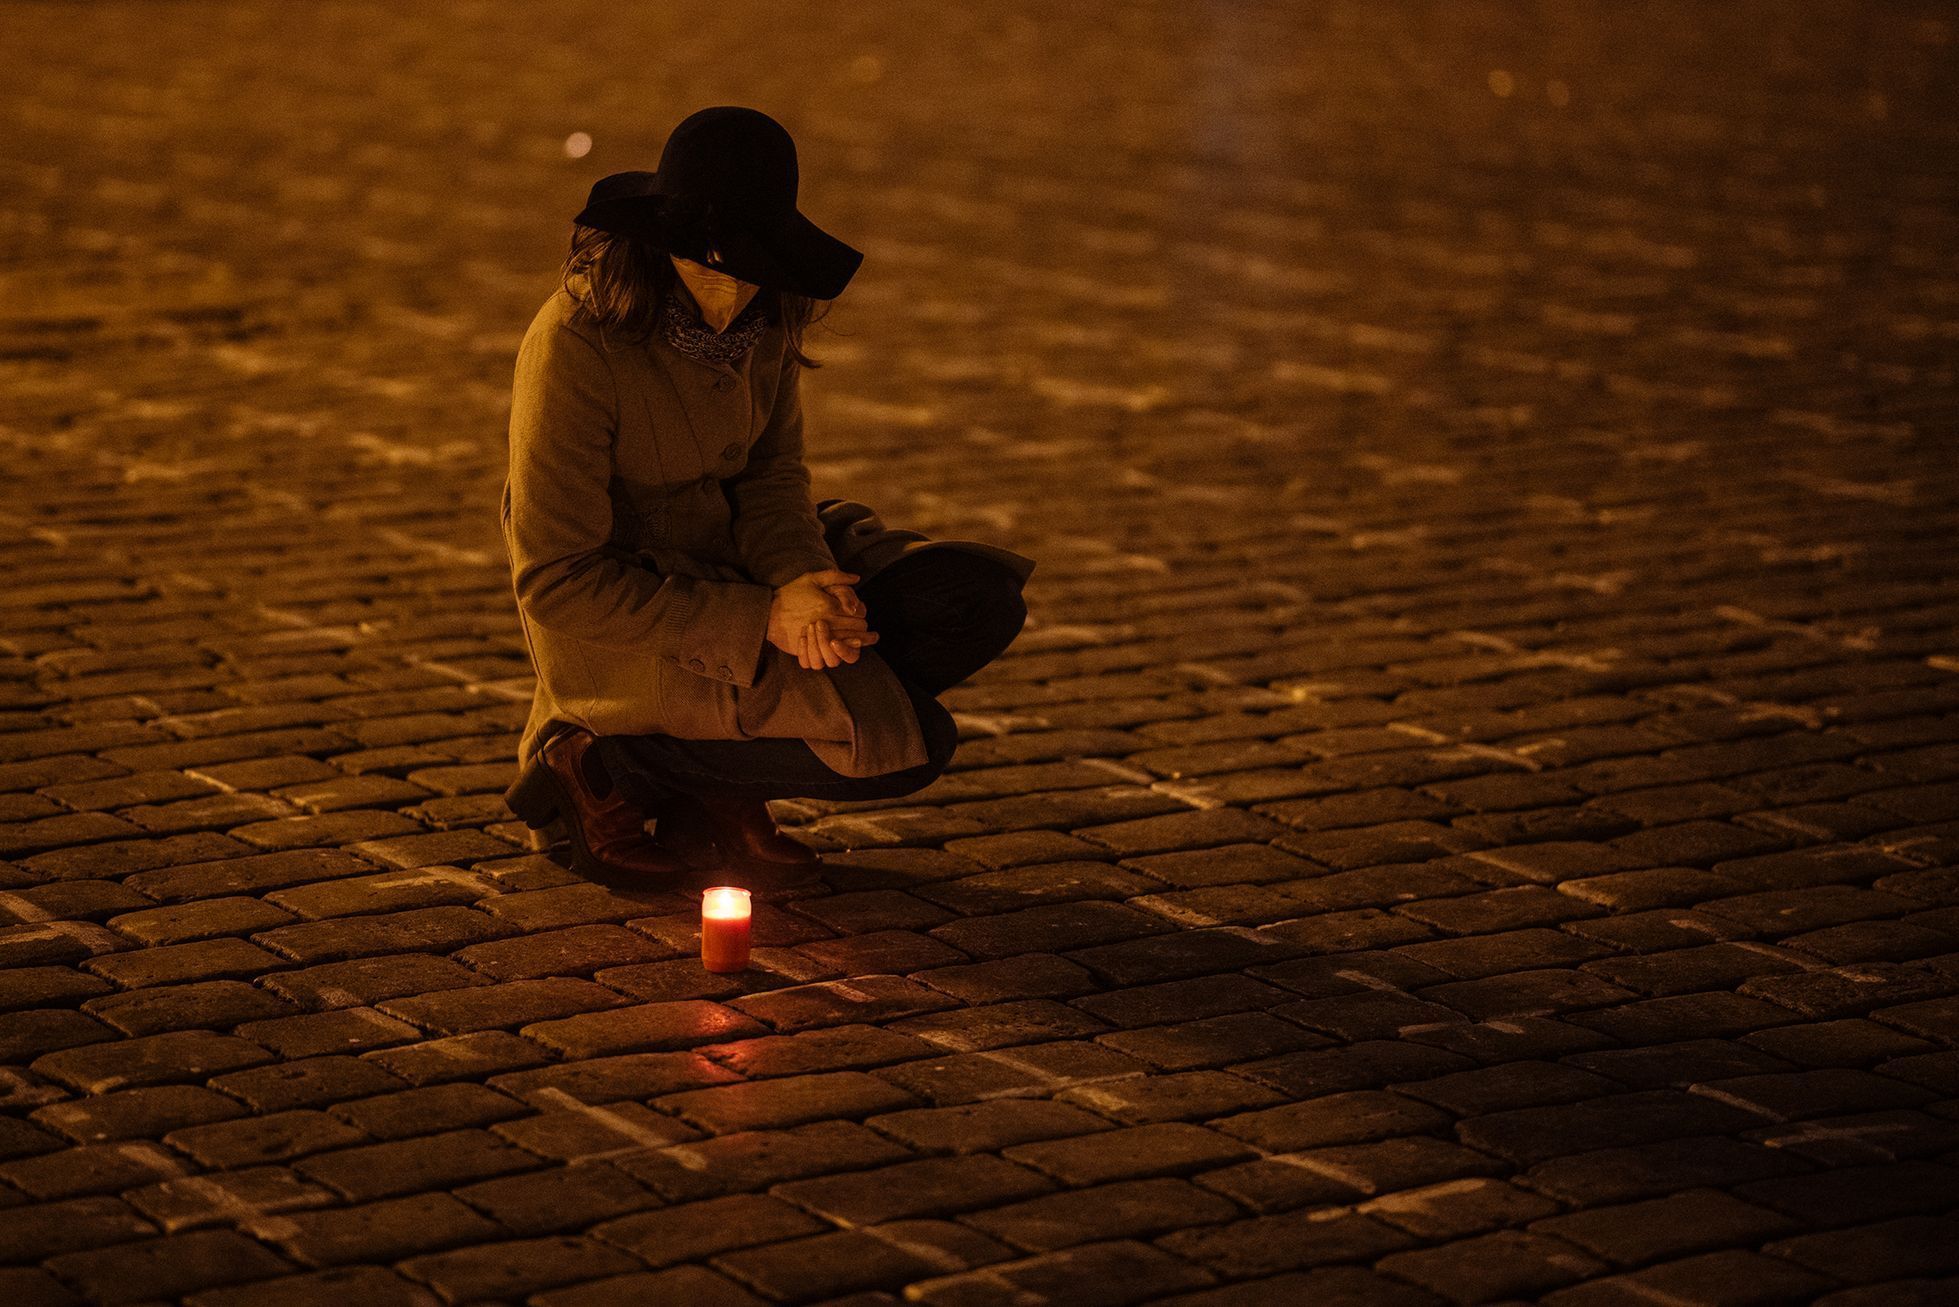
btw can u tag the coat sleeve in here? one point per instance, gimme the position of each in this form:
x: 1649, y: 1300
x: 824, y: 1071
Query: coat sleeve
x: 776, y: 532
x: 569, y: 579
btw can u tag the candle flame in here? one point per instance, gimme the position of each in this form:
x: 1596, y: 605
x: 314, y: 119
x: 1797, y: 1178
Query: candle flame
x: 724, y: 902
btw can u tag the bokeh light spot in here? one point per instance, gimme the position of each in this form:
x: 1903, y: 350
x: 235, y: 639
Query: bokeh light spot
x: 577, y: 145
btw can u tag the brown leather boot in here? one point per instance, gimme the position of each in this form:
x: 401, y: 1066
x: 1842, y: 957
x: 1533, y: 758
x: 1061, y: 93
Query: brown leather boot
x: 740, y: 829
x: 606, y: 832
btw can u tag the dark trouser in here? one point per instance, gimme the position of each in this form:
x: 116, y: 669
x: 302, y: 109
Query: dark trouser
x: 940, y: 615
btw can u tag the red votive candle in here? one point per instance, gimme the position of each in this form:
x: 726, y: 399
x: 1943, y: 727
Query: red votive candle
x: 724, y: 928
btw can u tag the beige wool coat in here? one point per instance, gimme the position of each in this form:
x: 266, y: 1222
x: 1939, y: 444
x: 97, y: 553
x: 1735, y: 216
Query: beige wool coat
x: 653, y: 504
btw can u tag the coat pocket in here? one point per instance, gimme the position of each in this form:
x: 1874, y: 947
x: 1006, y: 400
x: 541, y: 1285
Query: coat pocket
x: 651, y: 695
x: 695, y: 707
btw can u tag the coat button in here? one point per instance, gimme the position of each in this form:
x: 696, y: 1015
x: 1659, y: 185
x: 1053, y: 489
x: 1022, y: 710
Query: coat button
x: 697, y: 665
x: 731, y: 451
x: 727, y: 671
x: 724, y: 383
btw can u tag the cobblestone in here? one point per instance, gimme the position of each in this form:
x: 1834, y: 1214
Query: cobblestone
x: 1473, y: 814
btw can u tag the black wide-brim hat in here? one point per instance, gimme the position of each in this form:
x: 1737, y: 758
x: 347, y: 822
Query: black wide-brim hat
x: 724, y: 195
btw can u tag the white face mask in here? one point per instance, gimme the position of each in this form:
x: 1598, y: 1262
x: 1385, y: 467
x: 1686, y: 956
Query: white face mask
x: 719, y: 296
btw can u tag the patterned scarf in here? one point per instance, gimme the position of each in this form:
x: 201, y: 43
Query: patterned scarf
x: 697, y: 340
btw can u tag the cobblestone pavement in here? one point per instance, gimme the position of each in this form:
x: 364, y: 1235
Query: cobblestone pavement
x: 1474, y: 815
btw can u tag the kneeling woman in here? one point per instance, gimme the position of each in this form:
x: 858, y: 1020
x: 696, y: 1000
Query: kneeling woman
x: 705, y: 637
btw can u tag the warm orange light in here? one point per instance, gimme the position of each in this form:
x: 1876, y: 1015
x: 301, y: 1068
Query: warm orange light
x: 724, y: 928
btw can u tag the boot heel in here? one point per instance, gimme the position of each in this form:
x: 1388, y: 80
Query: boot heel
x: 533, y: 797
x: 540, y: 839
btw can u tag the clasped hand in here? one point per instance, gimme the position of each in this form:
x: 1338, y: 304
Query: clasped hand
x: 820, y: 620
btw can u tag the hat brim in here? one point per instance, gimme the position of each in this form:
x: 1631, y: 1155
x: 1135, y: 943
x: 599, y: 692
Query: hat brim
x: 796, y: 256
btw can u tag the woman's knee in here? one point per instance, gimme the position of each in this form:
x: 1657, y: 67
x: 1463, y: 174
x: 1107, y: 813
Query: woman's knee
x: 977, y: 598
x: 999, y: 607
x: 941, y: 736
x: 940, y: 732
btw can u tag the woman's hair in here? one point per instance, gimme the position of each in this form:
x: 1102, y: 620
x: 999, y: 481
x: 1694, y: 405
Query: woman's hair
x: 627, y: 278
